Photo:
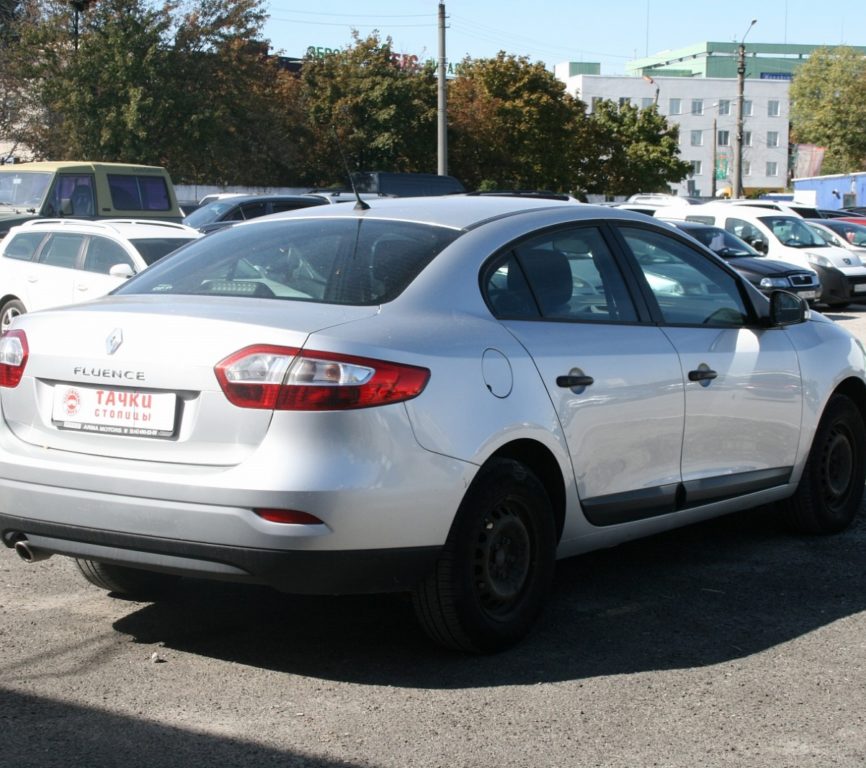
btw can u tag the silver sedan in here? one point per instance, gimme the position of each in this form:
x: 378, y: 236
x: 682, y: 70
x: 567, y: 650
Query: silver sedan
x: 439, y: 396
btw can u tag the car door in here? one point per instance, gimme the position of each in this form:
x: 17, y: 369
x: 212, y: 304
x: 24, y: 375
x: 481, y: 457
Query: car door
x: 613, y: 378
x: 93, y: 279
x: 743, y: 392
x: 50, y: 279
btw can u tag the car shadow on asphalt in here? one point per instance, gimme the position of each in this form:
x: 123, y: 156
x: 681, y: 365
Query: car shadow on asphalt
x: 706, y: 594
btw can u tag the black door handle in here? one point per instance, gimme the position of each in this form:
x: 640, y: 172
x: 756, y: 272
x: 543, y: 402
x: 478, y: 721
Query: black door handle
x: 569, y: 382
x: 702, y: 374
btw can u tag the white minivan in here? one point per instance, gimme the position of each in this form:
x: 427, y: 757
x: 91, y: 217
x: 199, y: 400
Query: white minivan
x: 786, y: 237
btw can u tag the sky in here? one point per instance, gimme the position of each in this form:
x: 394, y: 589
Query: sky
x: 609, y: 32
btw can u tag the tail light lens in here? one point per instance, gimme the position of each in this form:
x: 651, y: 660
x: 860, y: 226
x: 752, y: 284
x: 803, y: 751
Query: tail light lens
x: 289, y: 379
x: 13, y: 358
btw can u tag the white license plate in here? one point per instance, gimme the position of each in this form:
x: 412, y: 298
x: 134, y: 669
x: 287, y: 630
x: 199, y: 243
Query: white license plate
x: 114, y: 411
x: 807, y: 294
x: 860, y: 288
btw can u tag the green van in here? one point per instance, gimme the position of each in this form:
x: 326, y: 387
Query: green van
x: 84, y: 190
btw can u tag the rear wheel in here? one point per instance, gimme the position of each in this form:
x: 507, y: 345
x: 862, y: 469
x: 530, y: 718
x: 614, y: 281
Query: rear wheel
x: 829, y: 494
x: 8, y: 312
x: 130, y: 582
x: 495, y: 571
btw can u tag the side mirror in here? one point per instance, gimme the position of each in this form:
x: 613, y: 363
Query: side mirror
x: 121, y: 270
x: 787, y: 309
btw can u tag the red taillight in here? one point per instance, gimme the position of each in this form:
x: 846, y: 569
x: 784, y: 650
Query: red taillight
x: 289, y: 379
x: 13, y: 358
x: 288, y: 516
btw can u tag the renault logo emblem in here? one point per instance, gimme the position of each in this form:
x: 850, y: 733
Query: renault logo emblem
x: 114, y: 340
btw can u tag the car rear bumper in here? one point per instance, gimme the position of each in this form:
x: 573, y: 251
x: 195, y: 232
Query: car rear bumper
x: 301, y: 572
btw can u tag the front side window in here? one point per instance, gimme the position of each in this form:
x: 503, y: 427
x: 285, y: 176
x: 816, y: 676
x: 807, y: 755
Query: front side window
x: 792, y: 232
x: 745, y: 230
x: 689, y: 288
x: 71, y: 195
x: 569, y: 274
x: 102, y: 254
x: 347, y: 261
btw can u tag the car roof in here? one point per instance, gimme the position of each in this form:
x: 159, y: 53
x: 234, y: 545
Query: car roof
x: 52, y: 166
x: 453, y: 211
x: 125, y: 228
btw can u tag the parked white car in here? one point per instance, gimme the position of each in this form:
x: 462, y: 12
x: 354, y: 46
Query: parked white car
x: 786, y: 237
x: 50, y: 262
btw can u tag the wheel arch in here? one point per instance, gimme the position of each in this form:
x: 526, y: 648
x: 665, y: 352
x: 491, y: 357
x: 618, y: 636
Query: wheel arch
x: 855, y: 390
x: 539, y: 459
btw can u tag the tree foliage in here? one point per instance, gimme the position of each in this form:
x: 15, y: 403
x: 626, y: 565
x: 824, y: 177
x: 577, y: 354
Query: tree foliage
x: 632, y: 149
x: 828, y: 109
x: 188, y: 84
x: 361, y: 102
x: 512, y: 124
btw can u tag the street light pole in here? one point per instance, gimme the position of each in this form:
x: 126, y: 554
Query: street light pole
x: 442, y: 107
x: 741, y: 83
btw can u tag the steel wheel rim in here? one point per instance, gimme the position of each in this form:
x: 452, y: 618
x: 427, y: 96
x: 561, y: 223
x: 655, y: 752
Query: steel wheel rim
x: 8, y: 316
x: 502, y: 560
x: 838, y: 467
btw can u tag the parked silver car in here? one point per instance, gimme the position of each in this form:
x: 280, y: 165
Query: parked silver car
x: 438, y: 396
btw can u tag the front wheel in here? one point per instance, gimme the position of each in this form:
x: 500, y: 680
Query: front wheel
x: 129, y: 582
x: 829, y: 494
x: 496, y: 568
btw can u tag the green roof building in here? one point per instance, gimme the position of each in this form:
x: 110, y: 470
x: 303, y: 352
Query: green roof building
x: 764, y: 61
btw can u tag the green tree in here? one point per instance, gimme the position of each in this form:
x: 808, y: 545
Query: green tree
x: 360, y: 101
x: 512, y: 125
x: 828, y: 109
x: 631, y: 150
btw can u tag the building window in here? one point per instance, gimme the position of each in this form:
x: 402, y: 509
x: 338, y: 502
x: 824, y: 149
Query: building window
x: 623, y: 100
x: 773, y: 108
x: 596, y: 100
x: 696, y: 167
x: 676, y: 107
x: 747, y: 138
x: 697, y: 106
x: 747, y: 168
x: 724, y: 106
x: 724, y: 139
x: 697, y: 138
x: 772, y: 138
x: 772, y: 168
x: 646, y: 103
x: 747, y: 107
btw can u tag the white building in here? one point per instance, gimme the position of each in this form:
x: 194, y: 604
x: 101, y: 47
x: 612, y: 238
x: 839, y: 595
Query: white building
x: 706, y: 111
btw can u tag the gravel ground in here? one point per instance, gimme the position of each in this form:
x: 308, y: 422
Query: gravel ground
x: 730, y: 643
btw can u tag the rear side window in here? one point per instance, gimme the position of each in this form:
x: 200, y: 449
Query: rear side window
x: 346, y: 261
x: 138, y: 193
x: 568, y: 274
x: 154, y: 248
x: 62, y: 250
x: 23, y: 246
x: 103, y: 254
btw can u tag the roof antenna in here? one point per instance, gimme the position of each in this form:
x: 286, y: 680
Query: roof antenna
x: 360, y: 205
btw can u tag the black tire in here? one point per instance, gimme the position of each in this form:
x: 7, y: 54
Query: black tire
x: 496, y: 568
x: 8, y: 312
x: 830, y: 492
x: 129, y: 582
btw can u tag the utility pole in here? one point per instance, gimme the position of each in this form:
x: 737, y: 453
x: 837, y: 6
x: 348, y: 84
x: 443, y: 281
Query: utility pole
x: 715, y: 153
x: 741, y: 83
x: 442, y: 108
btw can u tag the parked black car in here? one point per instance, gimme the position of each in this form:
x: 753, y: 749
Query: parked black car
x: 765, y: 274
x: 230, y: 210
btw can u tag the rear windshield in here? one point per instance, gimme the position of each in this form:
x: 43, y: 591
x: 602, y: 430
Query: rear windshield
x: 138, y: 193
x: 331, y: 261
x: 154, y: 248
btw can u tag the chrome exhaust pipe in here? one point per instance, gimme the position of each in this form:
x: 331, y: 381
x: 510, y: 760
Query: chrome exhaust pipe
x: 28, y: 554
